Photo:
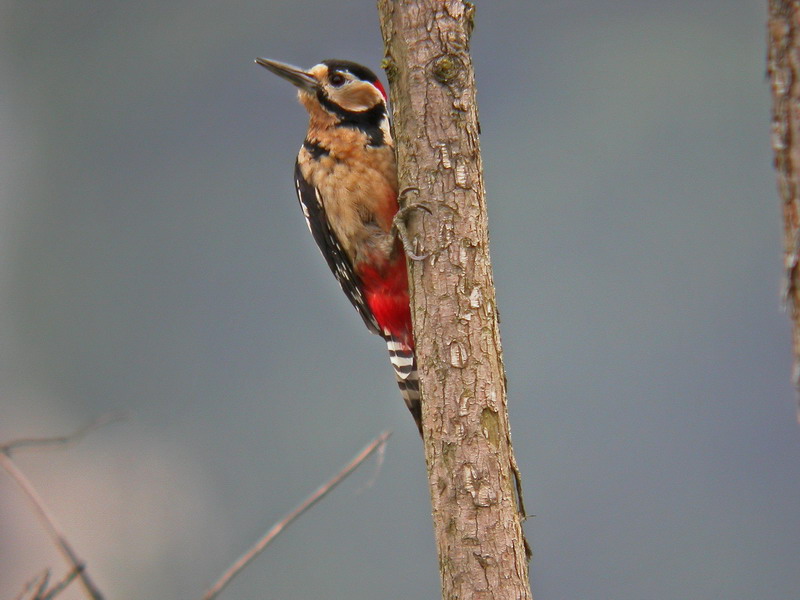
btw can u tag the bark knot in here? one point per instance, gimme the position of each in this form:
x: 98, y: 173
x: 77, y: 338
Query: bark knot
x: 447, y: 68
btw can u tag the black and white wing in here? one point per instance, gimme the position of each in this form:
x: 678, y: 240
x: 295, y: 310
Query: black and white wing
x: 314, y: 211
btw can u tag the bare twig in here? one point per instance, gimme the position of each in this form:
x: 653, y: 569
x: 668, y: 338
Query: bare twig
x: 37, y: 585
x: 63, y: 440
x: 62, y: 585
x: 39, y: 507
x: 244, y: 560
x: 50, y: 524
x: 379, y: 458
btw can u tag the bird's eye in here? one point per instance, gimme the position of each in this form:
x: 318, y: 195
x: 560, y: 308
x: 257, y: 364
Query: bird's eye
x: 337, y: 80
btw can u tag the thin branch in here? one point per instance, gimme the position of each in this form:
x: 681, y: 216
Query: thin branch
x: 38, y: 584
x: 39, y: 507
x: 50, y: 524
x: 63, y: 440
x: 61, y: 585
x: 377, y: 444
x: 379, y: 458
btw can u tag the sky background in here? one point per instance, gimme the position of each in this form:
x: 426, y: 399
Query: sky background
x: 153, y: 259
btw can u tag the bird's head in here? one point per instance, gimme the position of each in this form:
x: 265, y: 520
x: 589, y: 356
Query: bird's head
x: 338, y: 87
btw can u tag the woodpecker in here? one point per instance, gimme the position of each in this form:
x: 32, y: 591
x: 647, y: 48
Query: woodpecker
x: 346, y: 181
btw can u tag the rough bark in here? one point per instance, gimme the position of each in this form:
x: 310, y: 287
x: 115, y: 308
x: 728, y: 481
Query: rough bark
x: 783, y: 64
x: 471, y: 468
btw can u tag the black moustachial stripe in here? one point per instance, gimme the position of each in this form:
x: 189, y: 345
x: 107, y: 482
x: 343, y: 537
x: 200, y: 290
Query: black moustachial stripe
x: 314, y: 149
x: 368, y: 121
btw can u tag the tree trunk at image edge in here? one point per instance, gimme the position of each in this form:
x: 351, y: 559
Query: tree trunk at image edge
x: 783, y: 63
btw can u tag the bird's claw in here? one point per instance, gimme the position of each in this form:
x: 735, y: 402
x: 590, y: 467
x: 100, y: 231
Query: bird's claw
x: 399, y: 222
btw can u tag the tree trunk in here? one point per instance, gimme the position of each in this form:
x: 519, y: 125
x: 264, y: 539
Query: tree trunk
x: 783, y: 63
x: 472, y: 473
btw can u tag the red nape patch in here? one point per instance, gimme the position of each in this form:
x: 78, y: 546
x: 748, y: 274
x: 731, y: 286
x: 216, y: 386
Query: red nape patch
x: 378, y: 85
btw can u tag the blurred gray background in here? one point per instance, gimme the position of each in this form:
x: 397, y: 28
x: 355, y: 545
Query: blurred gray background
x: 153, y: 258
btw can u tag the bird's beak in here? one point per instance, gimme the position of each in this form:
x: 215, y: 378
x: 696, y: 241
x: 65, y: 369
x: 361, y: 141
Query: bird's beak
x: 302, y: 79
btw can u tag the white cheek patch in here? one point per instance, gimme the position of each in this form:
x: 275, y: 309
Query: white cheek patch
x: 357, y: 96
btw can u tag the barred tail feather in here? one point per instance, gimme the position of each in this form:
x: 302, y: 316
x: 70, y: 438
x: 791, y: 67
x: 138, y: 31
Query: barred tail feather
x: 405, y: 371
